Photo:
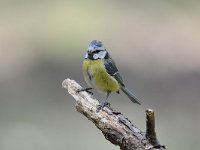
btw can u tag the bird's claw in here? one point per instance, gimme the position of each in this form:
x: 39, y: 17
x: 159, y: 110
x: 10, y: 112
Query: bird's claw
x: 86, y: 89
x: 102, y: 105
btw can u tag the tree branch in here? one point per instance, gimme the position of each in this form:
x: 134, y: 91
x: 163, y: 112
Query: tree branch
x: 115, y: 127
x: 150, y: 129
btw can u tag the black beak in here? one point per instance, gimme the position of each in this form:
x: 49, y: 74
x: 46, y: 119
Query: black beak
x: 89, y: 52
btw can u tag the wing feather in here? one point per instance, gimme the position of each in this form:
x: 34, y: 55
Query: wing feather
x: 112, y: 70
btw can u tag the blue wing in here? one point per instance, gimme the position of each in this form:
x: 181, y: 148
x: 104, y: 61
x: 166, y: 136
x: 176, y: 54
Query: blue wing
x: 112, y: 70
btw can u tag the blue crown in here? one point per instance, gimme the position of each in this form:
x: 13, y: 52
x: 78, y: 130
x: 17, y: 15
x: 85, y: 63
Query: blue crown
x: 96, y: 43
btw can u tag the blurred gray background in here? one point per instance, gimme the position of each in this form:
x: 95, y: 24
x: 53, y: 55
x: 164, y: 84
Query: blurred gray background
x: 156, y: 45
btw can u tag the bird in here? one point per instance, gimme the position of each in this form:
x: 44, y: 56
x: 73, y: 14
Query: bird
x: 100, y: 73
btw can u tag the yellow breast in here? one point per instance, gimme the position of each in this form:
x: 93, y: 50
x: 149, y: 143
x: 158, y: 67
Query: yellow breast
x: 96, y: 76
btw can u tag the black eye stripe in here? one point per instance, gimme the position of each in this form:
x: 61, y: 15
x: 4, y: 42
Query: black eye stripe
x: 96, y: 51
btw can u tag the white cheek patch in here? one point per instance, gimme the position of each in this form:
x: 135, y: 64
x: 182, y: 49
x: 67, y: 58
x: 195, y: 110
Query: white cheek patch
x: 101, y: 54
x: 86, y: 55
x: 96, y: 56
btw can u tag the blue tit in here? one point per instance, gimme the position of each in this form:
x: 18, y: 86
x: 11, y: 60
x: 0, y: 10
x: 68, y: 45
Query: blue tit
x: 101, y: 73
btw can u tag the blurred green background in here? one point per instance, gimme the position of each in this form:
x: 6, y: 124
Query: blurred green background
x: 156, y: 45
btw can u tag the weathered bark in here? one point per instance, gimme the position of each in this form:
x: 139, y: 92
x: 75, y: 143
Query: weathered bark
x: 115, y: 127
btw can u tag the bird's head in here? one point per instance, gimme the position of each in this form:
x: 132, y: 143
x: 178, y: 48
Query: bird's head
x: 96, y: 50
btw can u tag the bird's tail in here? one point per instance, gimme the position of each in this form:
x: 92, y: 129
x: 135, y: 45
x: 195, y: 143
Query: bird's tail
x: 130, y: 95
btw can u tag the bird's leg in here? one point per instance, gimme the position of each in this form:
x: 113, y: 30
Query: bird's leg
x: 105, y: 102
x: 85, y: 89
